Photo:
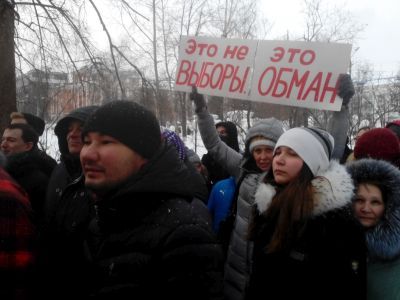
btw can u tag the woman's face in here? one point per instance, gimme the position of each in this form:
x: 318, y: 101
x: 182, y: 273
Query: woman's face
x: 263, y: 156
x: 368, y: 205
x: 286, y: 165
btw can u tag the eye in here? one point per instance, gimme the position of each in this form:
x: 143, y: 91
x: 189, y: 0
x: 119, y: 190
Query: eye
x: 358, y: 200
x: 87, y: 141
x: 292, y: 153
x: 107, y: 141
x: 376, y: 202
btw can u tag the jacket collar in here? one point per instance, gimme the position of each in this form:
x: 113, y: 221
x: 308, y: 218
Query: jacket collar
x: 333, y: 189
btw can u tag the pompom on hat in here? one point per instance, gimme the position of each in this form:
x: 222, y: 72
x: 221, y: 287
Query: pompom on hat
x: 313, y: 145
x: 128, y: 122
x: 172, y: 138
x: 378, y: 143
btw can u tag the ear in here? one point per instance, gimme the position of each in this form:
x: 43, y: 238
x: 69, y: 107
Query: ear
x: 28, y: 146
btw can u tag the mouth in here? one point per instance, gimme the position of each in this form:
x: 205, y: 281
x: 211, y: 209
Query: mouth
x: 92, y: 170
x: 279, y: 172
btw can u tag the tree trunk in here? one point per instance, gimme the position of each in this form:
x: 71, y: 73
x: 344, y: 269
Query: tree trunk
x: 7, y: 65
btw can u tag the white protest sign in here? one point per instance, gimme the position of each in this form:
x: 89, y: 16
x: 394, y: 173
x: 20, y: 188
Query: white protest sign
x: 220, y: 67
x: 300, y: 74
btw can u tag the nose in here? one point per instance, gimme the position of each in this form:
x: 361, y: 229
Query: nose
x: 279, y: 159
x: 89, y: 153
x: 76, y: 131
x: 365, y: 208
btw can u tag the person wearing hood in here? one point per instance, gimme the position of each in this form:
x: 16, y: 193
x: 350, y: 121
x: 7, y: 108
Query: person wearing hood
x: 307, y: 245
x: 377, y: 207
x: 68, y: 132
x: 149, y: 238
x: 68, y: 211
x: 227, y: 132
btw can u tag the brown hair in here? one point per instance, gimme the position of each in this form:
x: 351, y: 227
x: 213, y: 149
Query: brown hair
x: 291, y: 207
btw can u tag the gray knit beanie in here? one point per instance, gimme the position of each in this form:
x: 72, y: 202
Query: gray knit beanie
x: 270, y: 129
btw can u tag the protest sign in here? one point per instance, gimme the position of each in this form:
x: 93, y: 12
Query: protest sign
x: 290, y: 73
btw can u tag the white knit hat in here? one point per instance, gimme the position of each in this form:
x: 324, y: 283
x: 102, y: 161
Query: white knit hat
x: 313, y: 145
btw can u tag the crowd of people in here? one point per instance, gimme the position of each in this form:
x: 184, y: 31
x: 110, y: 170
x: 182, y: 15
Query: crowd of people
x: 130, y: 212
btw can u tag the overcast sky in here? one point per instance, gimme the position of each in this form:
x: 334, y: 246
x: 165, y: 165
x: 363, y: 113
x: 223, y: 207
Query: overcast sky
x: 379, y: 43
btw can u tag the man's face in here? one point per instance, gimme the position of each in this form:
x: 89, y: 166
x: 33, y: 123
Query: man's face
x: 222, y: 131
x: 106, y: 162
x: 12, y: 142
x: 74, y: 139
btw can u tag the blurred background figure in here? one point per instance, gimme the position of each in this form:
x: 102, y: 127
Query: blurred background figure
x: 188, y: 158
x: 395, y: 127
x: 378, y: 143
x: 17, y: 239
x: 227, y: 132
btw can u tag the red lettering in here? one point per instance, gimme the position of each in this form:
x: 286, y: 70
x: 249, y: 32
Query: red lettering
x: 314, y: 86
x: 293, y: 52
x: 279, y: 53
x: 327, y: 88
x: 303, y: 57
x: 244, y: 79
x: 218, y: 68
x: 242, y: 52
x: 280, y: 82
x: 212, y: 50
x: 227, y: 73
x: 204, y: 75
x: 201, y: 47
x: 271, y: 82
x: 230, y: 52
x: 183, y: 72
x: 191, y: 46
x: 298, y: 83
x: 236, y: 82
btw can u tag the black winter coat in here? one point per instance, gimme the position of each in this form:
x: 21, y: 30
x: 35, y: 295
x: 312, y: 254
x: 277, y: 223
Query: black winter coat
x: 150, y: 240
x: 31, y: 170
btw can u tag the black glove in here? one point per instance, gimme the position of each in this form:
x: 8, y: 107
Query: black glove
x: 198, y: 99
x: 345, y: 88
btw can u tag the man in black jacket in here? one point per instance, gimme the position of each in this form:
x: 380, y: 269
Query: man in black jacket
x: 150, y: 238
x: 27, y: 165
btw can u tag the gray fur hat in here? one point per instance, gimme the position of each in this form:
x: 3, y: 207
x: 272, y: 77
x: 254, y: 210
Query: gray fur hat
x: 383, y: 240
x: 270, y: 129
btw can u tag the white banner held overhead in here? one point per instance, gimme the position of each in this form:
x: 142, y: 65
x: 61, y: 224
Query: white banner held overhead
x: 300, y: 74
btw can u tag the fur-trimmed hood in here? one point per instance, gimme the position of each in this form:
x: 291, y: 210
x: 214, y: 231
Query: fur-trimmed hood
x: 333, y: 187
x: 383, y: 240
